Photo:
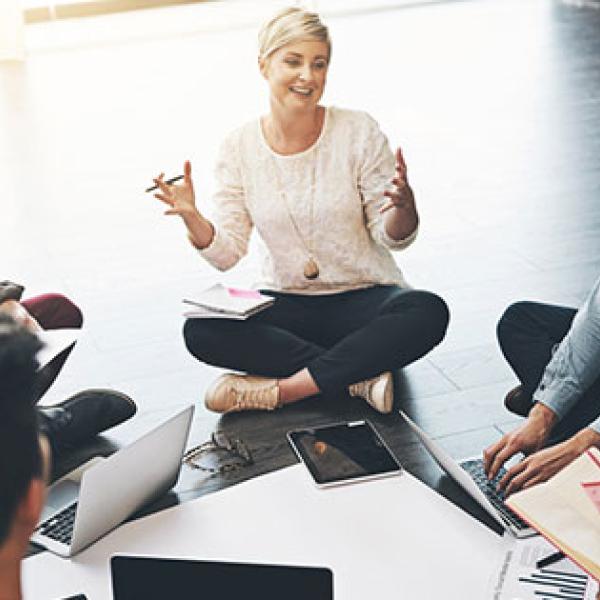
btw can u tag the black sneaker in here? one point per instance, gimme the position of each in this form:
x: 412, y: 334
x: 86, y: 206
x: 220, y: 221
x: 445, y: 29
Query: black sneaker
x: 83, y: 416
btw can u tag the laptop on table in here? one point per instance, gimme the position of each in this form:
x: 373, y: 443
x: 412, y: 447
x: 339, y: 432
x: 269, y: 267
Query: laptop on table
x: 470, y: 475
x: 93, y: 499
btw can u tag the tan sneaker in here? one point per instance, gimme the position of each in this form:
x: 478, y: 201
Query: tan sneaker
x: 232, y: 393
x: 378, y: 392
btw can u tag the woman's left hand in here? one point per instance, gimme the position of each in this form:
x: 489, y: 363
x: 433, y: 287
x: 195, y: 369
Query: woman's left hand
x: 401, y: 196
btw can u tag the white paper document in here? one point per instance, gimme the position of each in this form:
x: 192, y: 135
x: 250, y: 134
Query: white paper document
x: 518, y: 578
x: 55, y: 341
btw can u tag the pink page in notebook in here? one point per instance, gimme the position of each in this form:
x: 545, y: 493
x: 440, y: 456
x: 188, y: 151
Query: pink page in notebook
x: 240, y: 293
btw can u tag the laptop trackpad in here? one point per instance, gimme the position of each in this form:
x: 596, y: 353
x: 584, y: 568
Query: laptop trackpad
x: 60, y: 495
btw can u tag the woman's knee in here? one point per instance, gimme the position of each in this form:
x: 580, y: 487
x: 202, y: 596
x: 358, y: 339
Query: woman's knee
x: 430, y: 312
x: 201, y: 338
x: 437, y: 315
x: 56, y: 311
x: 71, y: 313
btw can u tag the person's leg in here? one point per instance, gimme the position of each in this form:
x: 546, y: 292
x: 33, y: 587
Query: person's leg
x: 323, y: 343
x: 277, y: 342
x: 378, y: 329
x: 527, y: 333
x: 53, y: 311
x: 82, y: 416
x: 272, y: 347
x: 85, y: 414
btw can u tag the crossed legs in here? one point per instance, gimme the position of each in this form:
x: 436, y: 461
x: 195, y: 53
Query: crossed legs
x: 313, y: 344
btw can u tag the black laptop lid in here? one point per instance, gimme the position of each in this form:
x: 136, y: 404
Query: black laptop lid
x: 137, y: 578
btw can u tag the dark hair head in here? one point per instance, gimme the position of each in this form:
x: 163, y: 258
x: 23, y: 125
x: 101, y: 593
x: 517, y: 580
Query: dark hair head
x: 20, y: 458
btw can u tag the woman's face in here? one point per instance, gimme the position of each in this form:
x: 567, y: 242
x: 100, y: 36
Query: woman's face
x: 296, y: 74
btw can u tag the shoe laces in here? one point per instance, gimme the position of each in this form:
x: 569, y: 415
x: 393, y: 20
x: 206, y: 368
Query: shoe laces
x: 253, y: 397
x: 362, y: 388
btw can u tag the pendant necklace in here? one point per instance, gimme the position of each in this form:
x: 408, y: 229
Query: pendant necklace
x: 311, y: 268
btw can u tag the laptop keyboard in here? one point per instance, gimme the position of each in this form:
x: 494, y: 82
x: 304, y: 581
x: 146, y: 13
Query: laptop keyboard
x: 60, y: 526
x: 488, y: 486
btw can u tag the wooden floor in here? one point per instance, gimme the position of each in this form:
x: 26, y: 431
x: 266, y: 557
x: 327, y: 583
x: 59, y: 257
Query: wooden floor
x: 495, y: 104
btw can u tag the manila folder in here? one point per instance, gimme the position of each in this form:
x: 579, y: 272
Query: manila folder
x: 562, y: 512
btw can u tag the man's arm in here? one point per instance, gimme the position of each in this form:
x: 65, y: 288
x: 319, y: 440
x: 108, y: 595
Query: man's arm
x: 574, y: 367
x: 576, y: 363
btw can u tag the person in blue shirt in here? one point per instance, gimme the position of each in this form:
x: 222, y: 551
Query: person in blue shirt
x: 555, y: 353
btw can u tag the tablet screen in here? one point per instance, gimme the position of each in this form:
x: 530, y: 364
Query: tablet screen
x: 343, y: 452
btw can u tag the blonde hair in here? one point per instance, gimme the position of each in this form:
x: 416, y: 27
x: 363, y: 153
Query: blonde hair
x: 289, y: 25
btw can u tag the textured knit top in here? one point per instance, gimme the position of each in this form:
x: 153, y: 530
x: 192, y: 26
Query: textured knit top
x: 331, y: 191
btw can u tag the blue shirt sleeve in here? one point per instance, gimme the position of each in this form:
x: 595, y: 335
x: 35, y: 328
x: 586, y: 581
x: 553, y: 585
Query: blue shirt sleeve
x: 575, y: 364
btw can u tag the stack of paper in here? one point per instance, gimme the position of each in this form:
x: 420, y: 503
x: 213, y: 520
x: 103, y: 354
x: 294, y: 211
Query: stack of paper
x: 562, y: 511
x: 221, y: 302
x: 518, y: 578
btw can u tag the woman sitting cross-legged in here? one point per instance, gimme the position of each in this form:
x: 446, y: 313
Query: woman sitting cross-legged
x: 329, y: 200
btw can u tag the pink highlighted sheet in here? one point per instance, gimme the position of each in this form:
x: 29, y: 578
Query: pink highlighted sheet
x: 240, y: 293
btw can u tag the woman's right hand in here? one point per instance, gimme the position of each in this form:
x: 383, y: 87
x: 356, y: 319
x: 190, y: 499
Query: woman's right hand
x: 181, y: 201
x: 179, y: 198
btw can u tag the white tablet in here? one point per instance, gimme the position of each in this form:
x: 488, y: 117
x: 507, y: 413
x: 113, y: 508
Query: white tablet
x: 344, y: 453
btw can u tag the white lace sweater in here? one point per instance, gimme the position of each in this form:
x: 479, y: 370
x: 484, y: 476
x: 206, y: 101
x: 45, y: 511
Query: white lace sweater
x: 342, y: 175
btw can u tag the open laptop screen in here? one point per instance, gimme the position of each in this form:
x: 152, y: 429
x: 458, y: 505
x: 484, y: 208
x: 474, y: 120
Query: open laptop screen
x: 137, y: 578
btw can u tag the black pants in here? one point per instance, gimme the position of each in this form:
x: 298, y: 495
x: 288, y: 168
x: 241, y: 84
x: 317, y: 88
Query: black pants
x: 341, y: 338
x: 528, y: 333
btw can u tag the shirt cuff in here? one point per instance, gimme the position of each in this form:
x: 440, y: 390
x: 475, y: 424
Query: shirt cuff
x: 218, y: 252
x: 397, y: 244
x: 558, y: 395
x: 595, y: 425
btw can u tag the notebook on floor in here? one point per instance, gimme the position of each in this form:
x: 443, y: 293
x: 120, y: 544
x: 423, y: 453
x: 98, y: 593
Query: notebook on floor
x: 93, y: 499
x: 469, y: 474
x: 145, y: 578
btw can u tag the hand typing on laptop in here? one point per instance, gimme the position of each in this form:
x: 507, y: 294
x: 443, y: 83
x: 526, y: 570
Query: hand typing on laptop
x: 543, y: 464
x: 555, y: 353
x: 526, y: 438
x: 540, y: 464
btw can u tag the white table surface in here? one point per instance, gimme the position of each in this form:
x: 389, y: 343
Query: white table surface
x: 390, y: 538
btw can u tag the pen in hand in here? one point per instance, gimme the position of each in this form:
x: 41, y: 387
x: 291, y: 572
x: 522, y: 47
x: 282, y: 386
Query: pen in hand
x: 168, y: 181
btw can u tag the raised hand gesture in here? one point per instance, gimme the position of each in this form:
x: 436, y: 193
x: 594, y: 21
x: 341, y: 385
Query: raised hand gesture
x: 181, y: 201
x: 401, y: 196
x: 179, y: 198
x: 403, y: 220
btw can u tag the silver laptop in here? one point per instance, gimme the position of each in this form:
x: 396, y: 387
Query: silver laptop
x: 95, y: 498
x: 470, y: 475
